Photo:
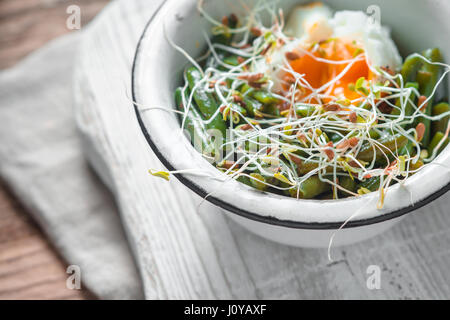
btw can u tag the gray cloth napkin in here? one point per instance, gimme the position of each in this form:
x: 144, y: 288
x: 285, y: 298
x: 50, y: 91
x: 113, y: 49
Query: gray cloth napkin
x: 42, y: 161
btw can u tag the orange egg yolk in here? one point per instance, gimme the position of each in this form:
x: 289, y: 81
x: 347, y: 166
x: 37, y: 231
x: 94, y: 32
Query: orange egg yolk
x: 318, y: 73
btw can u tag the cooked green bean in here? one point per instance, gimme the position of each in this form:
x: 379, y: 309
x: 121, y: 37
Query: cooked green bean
x: 410, y: 67
x: 409, y: 71
x: 305, y: 111
x: 390, y: 143
x: 348, y: 184
x: 225, y: 37
x: 258, y: 181
x: 246, y: 89
x: 264, y: 97
x: 409, y: 110
x: 231, y: 60
x: 335, y: 137
x: 371, y: 184
x: 271, y: 109
x: 427, y: 84
x: 252, y: 105
x: 193, y: 123
x: 205, y: 101
x: 310, y: 188
x: 440, y: 125
x: 307, y: 167
x: 244, y: 180
x: 374, y: 134
x: 409, y: 106
x: 438, y: 136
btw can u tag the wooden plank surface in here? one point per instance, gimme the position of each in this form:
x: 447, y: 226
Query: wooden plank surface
x: 29, y: 267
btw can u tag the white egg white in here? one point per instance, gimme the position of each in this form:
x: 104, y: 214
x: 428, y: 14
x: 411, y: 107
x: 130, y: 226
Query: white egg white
x: 375, y: 39
x: 308, y: 24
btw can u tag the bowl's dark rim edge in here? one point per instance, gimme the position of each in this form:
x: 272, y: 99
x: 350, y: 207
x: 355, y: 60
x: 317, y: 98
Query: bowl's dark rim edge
x: 251, y: 215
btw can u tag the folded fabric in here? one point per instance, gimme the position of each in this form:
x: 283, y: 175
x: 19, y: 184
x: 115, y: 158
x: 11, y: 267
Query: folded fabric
x: 42, y: 161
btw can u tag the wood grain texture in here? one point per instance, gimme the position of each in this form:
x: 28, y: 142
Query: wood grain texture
x: 26, y: 25
x: 188, y: 249
x: 29, y: 267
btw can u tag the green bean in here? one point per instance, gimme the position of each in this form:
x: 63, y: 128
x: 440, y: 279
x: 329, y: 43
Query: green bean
x: 371, y: 184
x: 264, y: 97
x: 258, y: 181
x: 231, y: 60
x: 271, y: 109
x: 193, y: 123
x: 410, y: 68
x: 251, y: 105
x: 409, y: 108
x: 259, y: 101
x: 438, y: 136
x: 211, y: 62
x: 179, y: 98
x: 415, y: 166
x: 412, y: 84
x: 241, y: 109
x: 246, y: 89
x: 348, y: 184
x: 305, y: 111
x: 244, y: 180
x: 407, y: 149
x: 335, y: 137
x: 390, y: 143
x: 325, y: 135
x: 306, y: 167
x: 426, y: 86
x: 310, y: 188
x: 226, y: 37
x: 440, y: 125
x: 374, y: 134
x: 205, y: 101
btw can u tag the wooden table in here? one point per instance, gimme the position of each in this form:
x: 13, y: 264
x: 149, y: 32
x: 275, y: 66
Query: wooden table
x: 29, y: 267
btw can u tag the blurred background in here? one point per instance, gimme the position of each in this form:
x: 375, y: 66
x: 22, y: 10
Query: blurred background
x: 29, y: 267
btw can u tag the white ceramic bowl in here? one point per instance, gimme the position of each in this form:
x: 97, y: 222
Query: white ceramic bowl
x: 157, y: 71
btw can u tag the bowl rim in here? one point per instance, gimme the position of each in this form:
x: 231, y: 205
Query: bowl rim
x: 271, y: 220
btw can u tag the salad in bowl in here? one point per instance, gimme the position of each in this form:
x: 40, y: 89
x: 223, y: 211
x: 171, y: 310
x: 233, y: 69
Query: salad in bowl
x: 298, y: 116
